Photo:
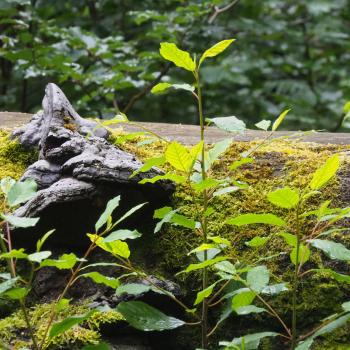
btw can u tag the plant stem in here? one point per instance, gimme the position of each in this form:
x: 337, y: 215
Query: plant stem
x: 204, y: 221
x: 295, y: 284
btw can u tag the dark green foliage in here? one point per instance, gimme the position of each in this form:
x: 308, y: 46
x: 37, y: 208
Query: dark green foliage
x: 287, y: 53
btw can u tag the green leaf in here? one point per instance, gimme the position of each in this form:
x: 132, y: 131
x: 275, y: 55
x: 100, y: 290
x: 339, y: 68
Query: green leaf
x: 226, y: 190
x: 20, y: 221
x: 61, y: 327
x: 219, y: 240
x: 66, y: 261
x: 216, y: 49
x: 216, y: 151
x: 119, y: 248
x: 180, y: 58
x: 290, y: 239
x: 133, y: 289
x: 337, y: 276
x: 15, y: 254
x: 249, y: 309
x: 304, y: 255
x: 263, y: 124
x: 332, y: 249
x: 330, y: 327
x: 39, y: 256
x: 169, y: 176
x: 179, y: 157
x: 41, y: 241
x: 206, y: 184
x: 157, y: 161
x: 325, y: 172
x: 122, y: 235
x: 21, y: 192
x: 236, y: 164
x: 226, y: 266
x: 257, y: 278
x: 250, y: 341
x: 284, y: 198
x: 111, y: 205
x: 146, y: 318
x: 8, y: 284
x: 274, y: 289
x: 62, y: 304
x: 279, y: 120
x: 248, y: 219
x: 346, y: 306
x: 257, y: 242
x: 16, y: 293
x: 202, y: 265
x: 205, y: 293
x: 160, y: 87
x: 101, y: 279
x: 129, y: 213
x: 230, y: 124
x: 6, y: 183
x: 244, y: 298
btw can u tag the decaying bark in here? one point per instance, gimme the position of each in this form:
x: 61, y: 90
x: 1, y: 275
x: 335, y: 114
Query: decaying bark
x: 76, y: 162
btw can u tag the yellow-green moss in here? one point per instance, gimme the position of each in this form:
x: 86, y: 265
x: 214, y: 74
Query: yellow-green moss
x: 11, y: 327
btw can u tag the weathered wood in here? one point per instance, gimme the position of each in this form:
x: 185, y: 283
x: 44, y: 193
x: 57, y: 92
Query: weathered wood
x: 76, y: 163
x: 189, y: 134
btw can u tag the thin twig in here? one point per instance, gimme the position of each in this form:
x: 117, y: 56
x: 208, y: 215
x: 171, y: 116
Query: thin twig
x: 219, y: 10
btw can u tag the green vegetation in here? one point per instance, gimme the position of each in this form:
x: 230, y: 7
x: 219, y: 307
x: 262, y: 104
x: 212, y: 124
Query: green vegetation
x: 288, y: 53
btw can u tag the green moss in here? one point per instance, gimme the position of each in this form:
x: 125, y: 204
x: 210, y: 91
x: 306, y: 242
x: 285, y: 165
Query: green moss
x: 13, y: 328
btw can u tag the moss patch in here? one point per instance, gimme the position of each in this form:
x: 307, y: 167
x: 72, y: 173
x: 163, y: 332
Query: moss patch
x: 13, y: 328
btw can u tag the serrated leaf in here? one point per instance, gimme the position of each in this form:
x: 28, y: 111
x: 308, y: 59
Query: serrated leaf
x: 216, y: 49
x: 230, y: 124
x: 325, y: 172
x: 226, y: 190
x: 178, y: 156
x: 8, y: 284
x: 149, y: 164
x: 332, y: 249
x: 15, y: 254
x: 248, y: 219
x: 284, y: 198
x: 180, y: 58
x: 226, y: 266
x: 18, y: 221
x: 101, y: 279
x: 111, y: 205
x: 218, y: 149
x: 146, y: 318
x: 169, y: 176
x: 279, y: 120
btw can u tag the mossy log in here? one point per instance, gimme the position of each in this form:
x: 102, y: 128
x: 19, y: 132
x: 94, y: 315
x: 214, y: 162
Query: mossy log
x: 285, y: 161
